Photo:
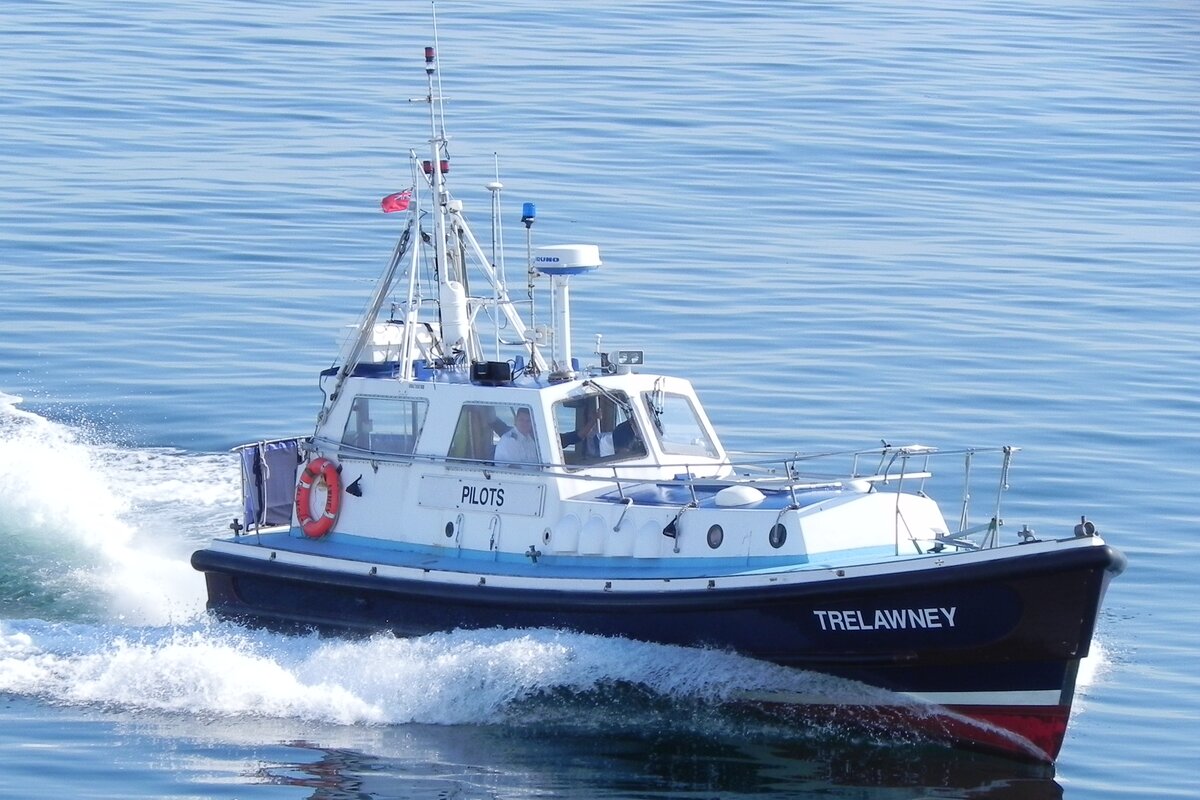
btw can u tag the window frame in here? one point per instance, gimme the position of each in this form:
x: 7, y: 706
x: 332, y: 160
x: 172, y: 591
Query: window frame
x: 351, y: 444
x: 574, y: 404
x: 462, y: 437
x: 668, y: 445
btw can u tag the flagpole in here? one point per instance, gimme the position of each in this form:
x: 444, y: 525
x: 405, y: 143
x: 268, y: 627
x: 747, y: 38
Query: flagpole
x: 412, y: 307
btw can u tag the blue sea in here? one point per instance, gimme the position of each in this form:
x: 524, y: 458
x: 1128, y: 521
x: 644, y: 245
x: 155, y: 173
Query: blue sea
x: 967, y: 223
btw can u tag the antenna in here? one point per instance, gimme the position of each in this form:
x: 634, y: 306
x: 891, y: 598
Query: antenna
x: 437, y: 47
x: 528, y: 217
x: 498, y: 222
x: 497, y: 245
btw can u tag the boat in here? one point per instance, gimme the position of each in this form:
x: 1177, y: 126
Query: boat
x: 468, y: 470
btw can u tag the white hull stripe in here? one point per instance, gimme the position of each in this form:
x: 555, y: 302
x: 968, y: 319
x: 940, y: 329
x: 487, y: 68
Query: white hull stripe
x: 1032, y: 699
x: 463, y: 575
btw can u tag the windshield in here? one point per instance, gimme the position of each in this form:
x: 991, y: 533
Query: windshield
x: 678, y: 425
x: 598, y: 429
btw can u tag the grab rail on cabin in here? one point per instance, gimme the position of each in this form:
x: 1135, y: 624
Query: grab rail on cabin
x: 895, y: 467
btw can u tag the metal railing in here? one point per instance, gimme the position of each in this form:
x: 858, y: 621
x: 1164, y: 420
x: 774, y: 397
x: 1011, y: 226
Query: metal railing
x: 884, y: 468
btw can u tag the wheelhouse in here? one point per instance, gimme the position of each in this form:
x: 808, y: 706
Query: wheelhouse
x: 633, y: 426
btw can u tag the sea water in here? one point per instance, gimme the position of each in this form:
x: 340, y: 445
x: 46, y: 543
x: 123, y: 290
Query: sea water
x: 950, y: 223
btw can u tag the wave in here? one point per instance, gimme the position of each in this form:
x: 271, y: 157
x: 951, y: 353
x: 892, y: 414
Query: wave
x: 550, y: 678
x: 96, y: 531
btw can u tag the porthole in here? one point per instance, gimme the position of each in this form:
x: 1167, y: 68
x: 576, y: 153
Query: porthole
x: 777, y: 536
x: 715, y: 536
x: 449, y: 529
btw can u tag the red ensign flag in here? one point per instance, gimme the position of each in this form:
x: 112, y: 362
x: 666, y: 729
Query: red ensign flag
x: 396, y: 202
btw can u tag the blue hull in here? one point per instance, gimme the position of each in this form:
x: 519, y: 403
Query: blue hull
x: 786, y: 624
x: 1018, y: 624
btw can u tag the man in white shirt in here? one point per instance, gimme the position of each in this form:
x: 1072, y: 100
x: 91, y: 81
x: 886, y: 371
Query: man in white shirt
x: 591, y: 442
x: 518, y: 446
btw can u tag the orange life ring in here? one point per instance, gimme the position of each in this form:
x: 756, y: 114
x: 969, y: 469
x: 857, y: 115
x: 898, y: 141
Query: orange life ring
x: 316, y: 527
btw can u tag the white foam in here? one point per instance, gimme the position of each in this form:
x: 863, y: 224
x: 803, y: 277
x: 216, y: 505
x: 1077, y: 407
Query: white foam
x: 1094, y: 665
x: 106, y: 528
x: 216, y: 669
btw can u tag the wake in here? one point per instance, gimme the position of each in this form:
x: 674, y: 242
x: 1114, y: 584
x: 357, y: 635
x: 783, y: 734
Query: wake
x: 95, y: 531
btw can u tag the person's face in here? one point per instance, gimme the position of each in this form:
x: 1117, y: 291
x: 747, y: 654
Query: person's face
x: 523, y: 422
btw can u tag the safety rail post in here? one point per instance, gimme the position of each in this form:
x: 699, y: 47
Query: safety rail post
x: 617, y: 480
x: 626, y: 502
x: 994, y: 534
x: 966, y: 495
x: 789, y: 469
x: 899, y: 492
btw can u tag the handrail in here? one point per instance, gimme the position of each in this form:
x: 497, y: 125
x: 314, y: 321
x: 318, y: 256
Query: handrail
x: 768, y: 472
x: 695, y: 472
x: 260, y: 442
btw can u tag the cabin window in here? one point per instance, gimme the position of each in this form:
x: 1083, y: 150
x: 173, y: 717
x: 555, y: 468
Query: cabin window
x: 383, y: 425
x: 598, y: 428
x: 480, y: 428
x: 678, y: 426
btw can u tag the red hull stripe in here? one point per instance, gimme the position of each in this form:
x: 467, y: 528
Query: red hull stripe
x: 1028, y: 732
x: 1044, y: 727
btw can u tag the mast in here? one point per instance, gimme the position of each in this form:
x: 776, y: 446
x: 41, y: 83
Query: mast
x: 449, y: 268
x: 453, y: 245
x: 497, y: 261
x: 449, y: 224
x: 560, y: 262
